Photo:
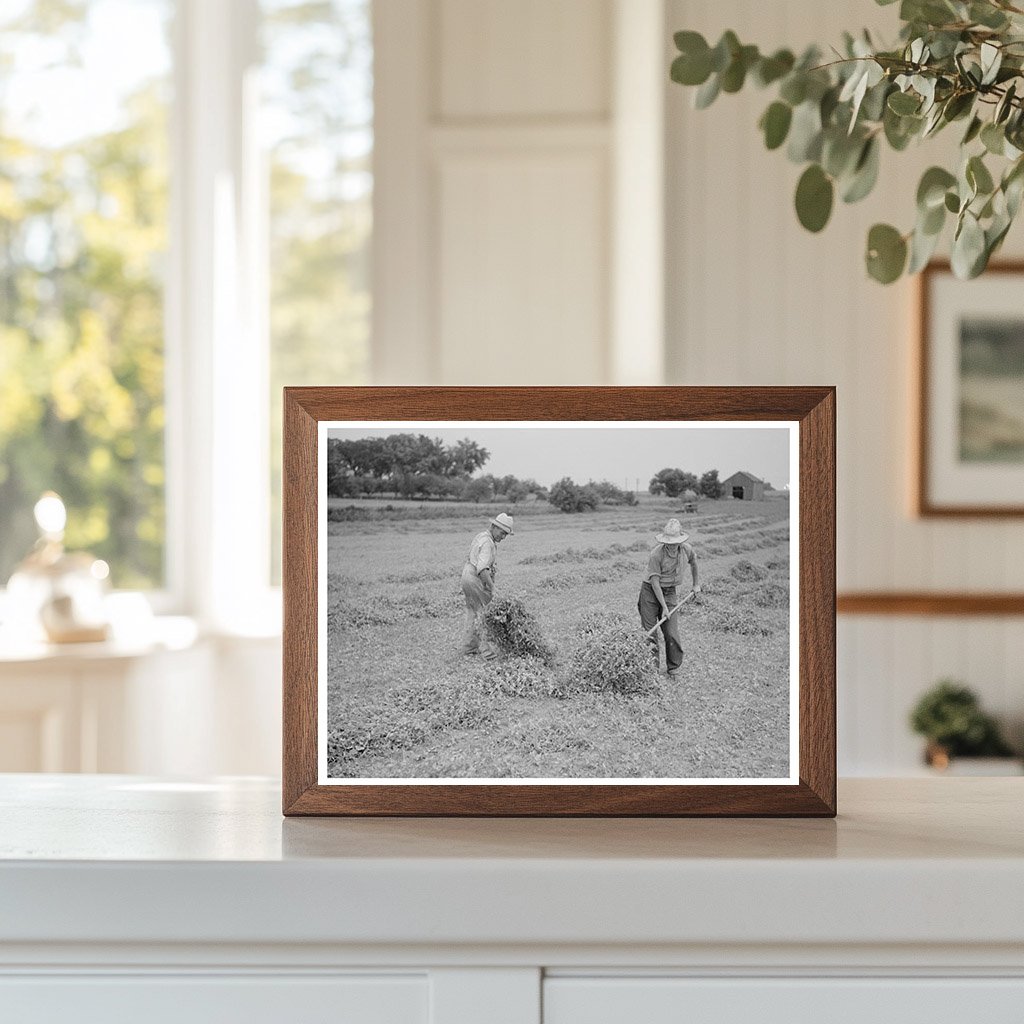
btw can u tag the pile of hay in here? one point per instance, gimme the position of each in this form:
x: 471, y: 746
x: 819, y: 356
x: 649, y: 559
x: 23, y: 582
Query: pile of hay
x: 515, y: 631
x: 771, y: 595
x: 747, y: 572
x: 612, y: 656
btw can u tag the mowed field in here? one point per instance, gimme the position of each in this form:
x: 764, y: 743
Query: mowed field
x: 403, y: 702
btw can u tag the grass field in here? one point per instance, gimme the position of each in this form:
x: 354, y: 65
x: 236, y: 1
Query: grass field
x: 403, y: 702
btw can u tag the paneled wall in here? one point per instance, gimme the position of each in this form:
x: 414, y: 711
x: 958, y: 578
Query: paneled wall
x: 505, y: 138
x: 754, y: 299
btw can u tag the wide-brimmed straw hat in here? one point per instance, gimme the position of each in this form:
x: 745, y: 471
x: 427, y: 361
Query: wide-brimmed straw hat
x: 673, y: 533
x: 503, y: 521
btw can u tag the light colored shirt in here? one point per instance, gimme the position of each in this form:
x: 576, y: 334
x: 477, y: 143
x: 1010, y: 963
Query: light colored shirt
x: 668, y: 567
x: 483, y: 552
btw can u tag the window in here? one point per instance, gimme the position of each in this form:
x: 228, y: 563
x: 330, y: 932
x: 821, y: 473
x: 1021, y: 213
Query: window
x: 83, y: 237
x: 185, y: 222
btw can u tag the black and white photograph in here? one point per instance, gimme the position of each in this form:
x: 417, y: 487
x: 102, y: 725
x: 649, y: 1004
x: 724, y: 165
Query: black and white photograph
x: 558, y: 601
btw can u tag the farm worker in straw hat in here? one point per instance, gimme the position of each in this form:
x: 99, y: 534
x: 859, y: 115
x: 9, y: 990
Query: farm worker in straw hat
x: 658, y: 590
x: 478, y: 577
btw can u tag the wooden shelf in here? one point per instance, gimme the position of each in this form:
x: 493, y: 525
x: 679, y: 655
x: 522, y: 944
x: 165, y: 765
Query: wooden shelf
x: 928, y: 603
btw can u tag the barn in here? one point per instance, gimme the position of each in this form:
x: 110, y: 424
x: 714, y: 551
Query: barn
x: 744, y: 486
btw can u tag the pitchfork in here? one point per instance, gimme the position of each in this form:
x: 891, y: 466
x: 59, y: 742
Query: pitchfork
x: 665, y: 618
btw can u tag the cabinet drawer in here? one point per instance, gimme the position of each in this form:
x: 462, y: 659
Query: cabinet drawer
x: 202, y: 999
x: 782, y: 1001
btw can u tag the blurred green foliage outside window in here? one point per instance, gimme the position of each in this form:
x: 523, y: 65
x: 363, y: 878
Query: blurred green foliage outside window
x: 83, y: 237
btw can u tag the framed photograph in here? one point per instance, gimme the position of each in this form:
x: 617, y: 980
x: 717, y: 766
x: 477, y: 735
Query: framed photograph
x: 559, y: 601
x: 970, y: 450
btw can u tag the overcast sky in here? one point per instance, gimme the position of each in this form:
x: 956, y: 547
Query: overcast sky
x: 622, y: 455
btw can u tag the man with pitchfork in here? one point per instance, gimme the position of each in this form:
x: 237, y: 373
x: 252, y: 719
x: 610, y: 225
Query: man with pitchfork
x: 658, y: 605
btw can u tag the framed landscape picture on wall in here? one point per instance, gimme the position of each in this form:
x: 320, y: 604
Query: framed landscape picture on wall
x: 559, y: 601
x: 970, y: 451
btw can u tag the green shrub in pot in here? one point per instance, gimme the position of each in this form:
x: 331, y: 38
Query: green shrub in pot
x: 950, y: 717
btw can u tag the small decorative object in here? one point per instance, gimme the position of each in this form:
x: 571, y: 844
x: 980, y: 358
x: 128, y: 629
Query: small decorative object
x: 951, y: 719
x: 58, y: 594
x: 488, y: 610
x: 958, y: 62
x: 970, y: 451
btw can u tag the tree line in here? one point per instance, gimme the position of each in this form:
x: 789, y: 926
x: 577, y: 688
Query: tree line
x: 675, y: 482
x: 417, y: 466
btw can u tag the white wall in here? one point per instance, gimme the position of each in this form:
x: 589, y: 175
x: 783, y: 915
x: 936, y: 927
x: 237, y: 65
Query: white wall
x: 754, y: 299
x: 501, y: 138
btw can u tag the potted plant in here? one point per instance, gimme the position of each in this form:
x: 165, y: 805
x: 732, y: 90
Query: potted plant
x: 956, y: 62
x: 950, y: 717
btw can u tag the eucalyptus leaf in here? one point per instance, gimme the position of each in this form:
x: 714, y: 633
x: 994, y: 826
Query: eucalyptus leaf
x: 805, y: 133
x: 993, y: 138
x: 987, y: 15
x: 771, y: 69
x: 865, y: 173
x: 978, y: 176
x: 922, y: 248
x: 873, y: 106
x: 931, y: 190
x: 952, y: 202
x: 814, y: 195
x: 932, y: 220
x: 775, y: 124
x: 991, y: 61
x: 973, y: 129
x: 735, y: 74
x: 886, y: 253
x: 1005, y: 104
x: 958, y: 105
x: 707, y: 93
x: 840, y: 152
x: 903, y: 103
x: 900, y: 130
x: 794, y: 88
x: 968, y: 247
x: 724, y: 51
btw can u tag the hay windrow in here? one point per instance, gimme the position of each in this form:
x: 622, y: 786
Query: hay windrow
x: 406, y: 717
x: 736, y: 620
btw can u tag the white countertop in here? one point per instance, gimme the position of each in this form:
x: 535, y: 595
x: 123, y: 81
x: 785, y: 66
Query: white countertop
x: 119, y: 859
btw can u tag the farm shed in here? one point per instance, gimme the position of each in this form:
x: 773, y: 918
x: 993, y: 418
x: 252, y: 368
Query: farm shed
x: 744, y: 486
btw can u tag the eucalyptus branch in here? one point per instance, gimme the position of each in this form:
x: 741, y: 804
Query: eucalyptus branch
x: 833, y: 117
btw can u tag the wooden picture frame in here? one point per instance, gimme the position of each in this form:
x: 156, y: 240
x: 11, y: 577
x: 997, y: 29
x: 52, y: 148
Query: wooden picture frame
x: 954, y: 471
x: 808, y: 413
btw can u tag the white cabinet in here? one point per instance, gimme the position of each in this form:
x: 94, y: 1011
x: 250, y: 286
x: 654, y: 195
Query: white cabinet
x: 202, y: 999
x: 829, y: 1000
x: 128, y: 899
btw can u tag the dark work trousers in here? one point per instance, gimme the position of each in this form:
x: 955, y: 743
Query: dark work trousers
x: 650, y: 612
